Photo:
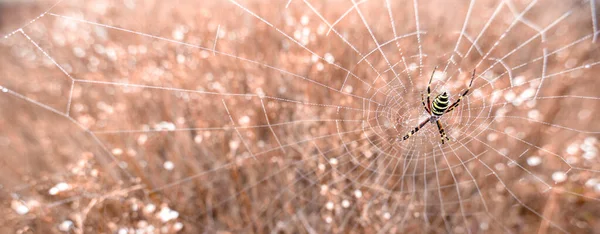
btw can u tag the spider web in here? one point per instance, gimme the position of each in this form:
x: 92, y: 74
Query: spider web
x: 260, y: 116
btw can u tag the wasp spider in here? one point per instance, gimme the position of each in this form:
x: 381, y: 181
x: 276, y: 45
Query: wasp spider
x: 436, y: 109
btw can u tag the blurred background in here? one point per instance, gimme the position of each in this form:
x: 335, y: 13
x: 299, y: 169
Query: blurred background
x: 247, y: 116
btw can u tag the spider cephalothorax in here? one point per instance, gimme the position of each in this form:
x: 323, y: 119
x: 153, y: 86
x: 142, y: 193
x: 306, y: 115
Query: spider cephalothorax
x: 436, y: 109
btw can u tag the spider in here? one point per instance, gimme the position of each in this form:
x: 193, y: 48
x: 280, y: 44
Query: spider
x: 437, y: 109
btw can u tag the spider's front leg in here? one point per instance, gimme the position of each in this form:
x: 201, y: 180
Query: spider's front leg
x: 429, y: 90
x: 455, y: 104
x: 425, y: 105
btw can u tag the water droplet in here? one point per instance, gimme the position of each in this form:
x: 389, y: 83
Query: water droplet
x: 66, y: 225
x: 591, y: 183
x: 117, y: 151
x: 329, y: 58
x: 304, y: 20
x: 62, y: 186
x: 178, y: 226
x: 329, y: 205
x: 244, y: 120
x: 19, y: 207
x: 492, y: 136
x: 180, y: 58
x: 559, y: 176
x: 324, y: 188
x: 168, y: 126
x: 198, y: 139
x: 358, y: 193
x: 53, y: 191
x: 320, y: 67
x: 534, y: 161
x: 589, y: 155
x: 590, y: 140
x: 572, y: 149
x: 333, y: 161
x: 168, y: 165
x: 597, y: 188
x: 149, y: 208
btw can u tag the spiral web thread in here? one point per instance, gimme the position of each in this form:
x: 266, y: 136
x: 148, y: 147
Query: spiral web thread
x: 251, y: 116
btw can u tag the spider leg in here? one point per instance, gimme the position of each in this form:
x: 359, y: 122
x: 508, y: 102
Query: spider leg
x: 424, y: 105
x: 429, y: 88
x: 455, y: 104
x: 442, y: 132
x: 412, y: 132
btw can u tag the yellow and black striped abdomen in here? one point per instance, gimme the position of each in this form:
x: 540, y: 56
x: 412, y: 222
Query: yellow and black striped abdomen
x: 440, y: 104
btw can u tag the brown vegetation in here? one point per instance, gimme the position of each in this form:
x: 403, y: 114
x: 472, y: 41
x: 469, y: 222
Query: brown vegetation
x: 118, y: 116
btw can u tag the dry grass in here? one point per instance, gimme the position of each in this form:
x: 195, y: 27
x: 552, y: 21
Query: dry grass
x: 166, y: 153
